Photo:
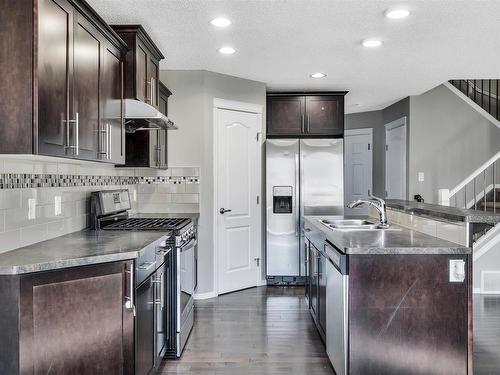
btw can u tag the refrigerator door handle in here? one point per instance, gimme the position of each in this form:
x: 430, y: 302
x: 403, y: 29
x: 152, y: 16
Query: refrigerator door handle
x: 296, y: 197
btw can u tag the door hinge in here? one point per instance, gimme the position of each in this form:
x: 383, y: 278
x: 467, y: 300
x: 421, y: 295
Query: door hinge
x: 369, y: 147
x: 258, y: 261
x: 257, y: 136
x: 386, y: 194
x: 258, y: 200
x: 369, y: 192
x: 386, y: 147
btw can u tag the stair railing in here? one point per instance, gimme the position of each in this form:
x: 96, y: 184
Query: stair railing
x: 484, y: 92
x: 475, y: 189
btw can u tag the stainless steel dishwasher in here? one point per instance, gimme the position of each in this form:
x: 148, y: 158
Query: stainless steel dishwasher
x: 337, y: 313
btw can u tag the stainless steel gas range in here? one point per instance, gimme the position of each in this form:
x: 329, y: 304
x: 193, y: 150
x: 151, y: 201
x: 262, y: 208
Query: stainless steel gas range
x: 172, y: 293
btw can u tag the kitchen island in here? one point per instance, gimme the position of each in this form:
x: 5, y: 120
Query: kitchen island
x: 390, y: 301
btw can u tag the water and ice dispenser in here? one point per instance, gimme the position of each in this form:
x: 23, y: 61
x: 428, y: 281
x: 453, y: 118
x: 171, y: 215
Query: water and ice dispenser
x: 282, y: 199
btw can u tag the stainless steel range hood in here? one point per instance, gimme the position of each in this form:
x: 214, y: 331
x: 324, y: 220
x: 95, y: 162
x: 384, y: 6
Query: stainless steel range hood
x: 142, y: 116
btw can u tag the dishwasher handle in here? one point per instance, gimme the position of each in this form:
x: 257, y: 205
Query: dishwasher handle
x: 337, y: 258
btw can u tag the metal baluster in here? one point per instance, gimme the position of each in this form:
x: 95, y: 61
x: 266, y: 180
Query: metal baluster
x: 465, y: 196
x: 484, y: 189
x: 474, y: 192
x: 494, y: 190
x: 498, y: 102
x: 489, y: 96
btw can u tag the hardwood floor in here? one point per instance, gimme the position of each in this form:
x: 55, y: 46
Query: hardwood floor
x: 257, y: 331
x: 262, y: 331
x: 486, y: 335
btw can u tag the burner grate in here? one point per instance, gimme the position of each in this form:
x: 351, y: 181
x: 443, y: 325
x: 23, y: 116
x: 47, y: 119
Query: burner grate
x: 149, y: 224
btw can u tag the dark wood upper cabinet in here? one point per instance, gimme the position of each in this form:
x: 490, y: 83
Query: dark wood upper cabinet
x: 69, y: 321
x: 285, y: 115
x: 325, y: 115
x: 142, y: 64
x: 142, y: 82
x: 305, y: 115
x: 58, y: 77
x: 112, y: 132
x: 55, y: 73
x: 87, y: 57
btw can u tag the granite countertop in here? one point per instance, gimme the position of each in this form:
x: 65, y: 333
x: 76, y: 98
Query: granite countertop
x: 443, y: 212
x: 77, y: 249
x: 83, y: 248
x: 397, y: 240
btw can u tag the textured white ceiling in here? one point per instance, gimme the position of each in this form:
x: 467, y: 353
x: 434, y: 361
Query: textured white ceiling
x: 280, y: 42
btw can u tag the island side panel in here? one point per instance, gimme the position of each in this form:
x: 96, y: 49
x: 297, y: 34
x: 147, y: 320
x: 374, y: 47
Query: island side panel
x: 406, y: 317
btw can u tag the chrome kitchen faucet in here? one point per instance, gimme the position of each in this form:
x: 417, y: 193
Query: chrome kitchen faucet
x: 378, y: 204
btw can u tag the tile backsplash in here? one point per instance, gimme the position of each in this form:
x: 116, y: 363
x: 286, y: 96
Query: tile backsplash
x: 43, y: 198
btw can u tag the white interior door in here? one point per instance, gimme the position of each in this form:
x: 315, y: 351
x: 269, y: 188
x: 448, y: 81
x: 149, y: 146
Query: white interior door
x: 238, y: 182
x: 358, y: 168
x: 395, y: 159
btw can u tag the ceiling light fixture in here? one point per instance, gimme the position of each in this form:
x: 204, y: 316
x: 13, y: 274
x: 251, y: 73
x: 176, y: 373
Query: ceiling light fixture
x: 397, y: 14
x: 227, y: 50
x: 318, y: 75
x: 220, y: 22
x: 371, y: 43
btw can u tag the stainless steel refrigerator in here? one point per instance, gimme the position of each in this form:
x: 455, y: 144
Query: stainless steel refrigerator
x: 303, y: 177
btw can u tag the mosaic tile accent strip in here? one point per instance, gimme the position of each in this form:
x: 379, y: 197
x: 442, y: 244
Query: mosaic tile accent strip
x: 27, y: 181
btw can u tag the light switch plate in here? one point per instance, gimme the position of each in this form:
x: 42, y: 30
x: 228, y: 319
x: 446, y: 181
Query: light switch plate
x: 421, y: 177
x: 457, y: 270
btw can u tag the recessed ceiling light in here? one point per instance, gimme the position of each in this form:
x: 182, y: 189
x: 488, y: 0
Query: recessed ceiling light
x: 227, y: 50
x: 371, y: 43
x: 397, y: 14
x: 220, y: 22
x: 318, y: 75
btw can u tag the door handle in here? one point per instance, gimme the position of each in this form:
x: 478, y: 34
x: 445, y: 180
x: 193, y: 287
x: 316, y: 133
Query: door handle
x: 222, y: 211
x: 129, y: 300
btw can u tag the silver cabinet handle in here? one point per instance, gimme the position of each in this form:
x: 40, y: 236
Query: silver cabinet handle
x: 129, y: 304
x: 153, y: 99
x: 108, y: 138
x: 146, y: 266
x: 77, y: 126
x: 73, y: 147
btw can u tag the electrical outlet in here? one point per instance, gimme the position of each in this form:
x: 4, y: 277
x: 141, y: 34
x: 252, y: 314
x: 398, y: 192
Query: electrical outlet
x: 457, y: 270
x: 57, y: 205
x: 31, y: 209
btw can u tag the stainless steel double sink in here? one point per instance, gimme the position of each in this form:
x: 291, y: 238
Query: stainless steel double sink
x: 353, y: 224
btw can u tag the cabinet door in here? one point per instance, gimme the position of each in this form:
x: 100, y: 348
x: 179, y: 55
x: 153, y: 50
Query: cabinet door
x: 322, y: 274
x: 325, y: 115
x: 285, y: 115
x: 86, y: 108
x: 55, y: 61
x: 141, y: 64
x: 74, y: 321
x: 152, y: 84
x: 112, y: 131
x: 154, y: 149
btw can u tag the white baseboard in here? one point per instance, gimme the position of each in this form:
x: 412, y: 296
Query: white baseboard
x: 476, y: 291
x: 262, y: 282
x: 207, y: 295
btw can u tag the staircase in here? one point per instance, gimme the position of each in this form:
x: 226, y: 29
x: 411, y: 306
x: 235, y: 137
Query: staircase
x: 481, y: 189
x: 483, y: 92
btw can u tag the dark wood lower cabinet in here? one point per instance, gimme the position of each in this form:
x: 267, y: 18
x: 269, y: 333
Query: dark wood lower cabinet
x: 71, y: 321
x: 406, y: 317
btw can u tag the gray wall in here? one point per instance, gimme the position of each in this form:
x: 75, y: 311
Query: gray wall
x: 373, y: 120
x: 191, y: 107
x: 376, y: 120
x: 448, y: 141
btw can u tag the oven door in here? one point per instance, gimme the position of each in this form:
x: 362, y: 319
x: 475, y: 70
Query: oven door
x: 185, y: 280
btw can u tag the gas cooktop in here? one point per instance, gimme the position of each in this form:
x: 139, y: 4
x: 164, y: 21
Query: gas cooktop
x: 149, y: 224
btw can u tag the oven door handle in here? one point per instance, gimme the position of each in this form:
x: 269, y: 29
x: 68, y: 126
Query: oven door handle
x: 188, y: 246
